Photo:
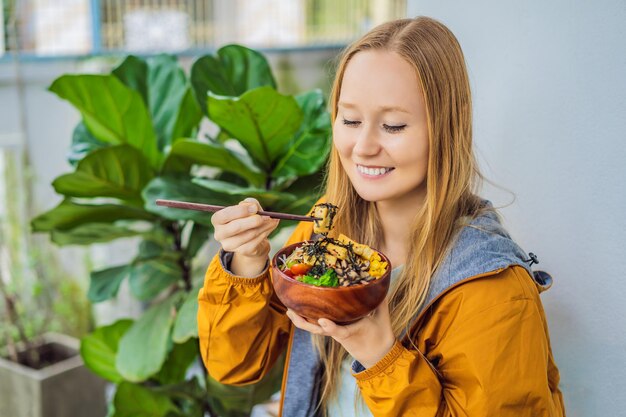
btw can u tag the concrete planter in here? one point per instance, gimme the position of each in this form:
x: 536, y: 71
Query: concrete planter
x: 63, y: 389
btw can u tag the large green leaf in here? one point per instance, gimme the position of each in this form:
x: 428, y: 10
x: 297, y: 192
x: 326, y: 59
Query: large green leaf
x: 217, y: 155
x: 68, y: 215
x: 175, y: 367
x: 105, y: 283
x: 117, y: 171
x: 232, y: 178
x: 309, y: 148
x: 143, y: 349
x: 188, y: 117
x: 190, y: 388
x: 83, y: 142
x: 156, y: 242
x: 262, y: 120
x: 197, y: 238
x: 164, y: 87
x: 186, y: 325
x: 149, y: 249
x: 133, y: 400
x: 111, y: 111
x: 235, y: 70
x: 176, y: 165
x: 133, y: 72
x: 306, y: 190
x: 190, y: 395
x: 221, y: 137
x: 89, y: 233
x: 174, y: 111
x: 239, y: 400
x: 98, y: 349
x: 149, y: 277
x: 266, y: 198
x: 181, y: 188
x: 165, y: 91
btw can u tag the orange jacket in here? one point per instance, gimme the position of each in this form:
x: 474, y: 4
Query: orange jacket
x: 482, y: 346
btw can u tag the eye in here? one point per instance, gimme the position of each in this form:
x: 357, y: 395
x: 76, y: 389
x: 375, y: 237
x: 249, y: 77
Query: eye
x: 350, y: 122
x: 394, y: 129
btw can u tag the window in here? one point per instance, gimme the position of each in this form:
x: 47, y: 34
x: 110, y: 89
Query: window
x: 84, y: 27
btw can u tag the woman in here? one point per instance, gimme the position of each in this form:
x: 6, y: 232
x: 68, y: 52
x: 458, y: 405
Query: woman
x: 463, y: 332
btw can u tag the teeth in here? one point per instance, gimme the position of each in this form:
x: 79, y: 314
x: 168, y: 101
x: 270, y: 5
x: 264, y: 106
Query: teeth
x: 373, y: 171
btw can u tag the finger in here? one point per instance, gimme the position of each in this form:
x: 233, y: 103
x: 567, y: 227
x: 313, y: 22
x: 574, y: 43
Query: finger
x: 252, y: 237
x: 252, y: 201
x: 230, y: 213
x: 339, y: 332
x: 238, y: 226
x: 301, y: 323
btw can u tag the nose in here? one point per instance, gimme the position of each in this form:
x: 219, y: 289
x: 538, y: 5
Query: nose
x: 367, y: 143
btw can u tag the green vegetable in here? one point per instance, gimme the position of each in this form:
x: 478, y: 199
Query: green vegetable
x: 329, y: 279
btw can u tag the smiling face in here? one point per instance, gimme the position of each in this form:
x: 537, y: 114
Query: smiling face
x: 380, y: 131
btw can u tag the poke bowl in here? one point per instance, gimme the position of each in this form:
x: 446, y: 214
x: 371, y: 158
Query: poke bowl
x: 341, y: 287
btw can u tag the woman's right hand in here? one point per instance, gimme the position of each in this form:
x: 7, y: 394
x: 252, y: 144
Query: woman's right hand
x: 244, y: 233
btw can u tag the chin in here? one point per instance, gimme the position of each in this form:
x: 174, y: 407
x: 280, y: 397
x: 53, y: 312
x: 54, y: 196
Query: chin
x: 373, y: 196
x: 377, y: 194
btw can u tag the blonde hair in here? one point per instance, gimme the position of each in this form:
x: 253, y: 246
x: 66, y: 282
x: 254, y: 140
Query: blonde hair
x: 451, y: 181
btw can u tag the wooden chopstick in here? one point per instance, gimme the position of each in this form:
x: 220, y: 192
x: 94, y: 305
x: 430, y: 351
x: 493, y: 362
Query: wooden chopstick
x: 211, y: 208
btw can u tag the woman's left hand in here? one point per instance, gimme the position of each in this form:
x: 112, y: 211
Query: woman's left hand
x: 368, y: 340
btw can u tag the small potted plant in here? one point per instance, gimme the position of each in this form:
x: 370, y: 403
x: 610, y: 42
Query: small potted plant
x: 44, y: 375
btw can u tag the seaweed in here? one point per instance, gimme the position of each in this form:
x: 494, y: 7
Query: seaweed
x: 332, y: 211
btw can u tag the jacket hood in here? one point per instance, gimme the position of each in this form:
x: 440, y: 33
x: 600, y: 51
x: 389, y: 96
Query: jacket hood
x: 481, y: 247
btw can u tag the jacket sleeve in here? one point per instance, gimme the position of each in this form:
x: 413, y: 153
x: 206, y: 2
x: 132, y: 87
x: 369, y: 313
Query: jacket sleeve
x: 484, y: 357
x: 242, y: 326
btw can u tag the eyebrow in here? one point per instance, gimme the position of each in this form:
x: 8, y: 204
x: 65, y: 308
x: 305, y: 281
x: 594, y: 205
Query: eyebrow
x: 383, y: 108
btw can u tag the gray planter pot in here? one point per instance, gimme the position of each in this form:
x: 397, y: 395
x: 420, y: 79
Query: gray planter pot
x: 64, y: 389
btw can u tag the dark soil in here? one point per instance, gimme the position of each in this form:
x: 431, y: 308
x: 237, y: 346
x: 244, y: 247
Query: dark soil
x: 48, y: 353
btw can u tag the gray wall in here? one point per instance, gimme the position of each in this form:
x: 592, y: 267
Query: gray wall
x: 550, y: 116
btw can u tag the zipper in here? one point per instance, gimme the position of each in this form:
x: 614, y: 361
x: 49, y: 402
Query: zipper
x: 285, y: 371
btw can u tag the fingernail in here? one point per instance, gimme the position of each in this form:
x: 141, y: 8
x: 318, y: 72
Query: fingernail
x: 322, y: 322
x: 252, y: 208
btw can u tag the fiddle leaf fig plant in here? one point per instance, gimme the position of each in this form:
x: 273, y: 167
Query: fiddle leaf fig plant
x: 139, y: 141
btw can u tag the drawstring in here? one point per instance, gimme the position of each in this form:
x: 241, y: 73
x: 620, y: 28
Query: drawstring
x: 542, y: 278
x: 533, y: 259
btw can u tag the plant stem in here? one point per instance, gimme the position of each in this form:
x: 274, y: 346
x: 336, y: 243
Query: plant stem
x: 176, y: 231
x: 208, y: 409
x: 11, y: 346
x: 206, y: 406
x: 269, y: 179
x: 14, y: 320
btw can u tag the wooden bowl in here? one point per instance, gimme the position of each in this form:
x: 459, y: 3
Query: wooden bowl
x: 342, y: 305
